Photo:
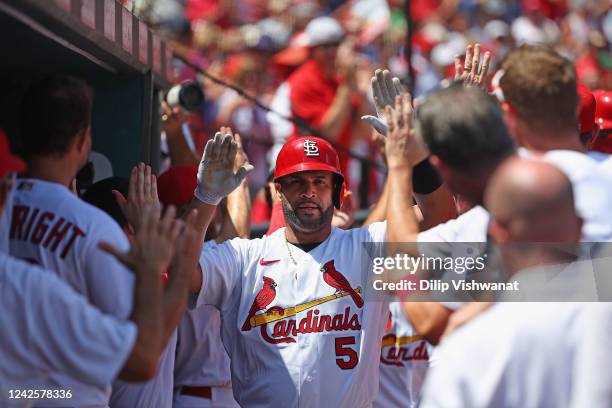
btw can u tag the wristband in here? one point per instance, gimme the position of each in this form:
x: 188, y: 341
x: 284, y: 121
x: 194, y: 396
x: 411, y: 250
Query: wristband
x: 425, y: 179
x: 207, y: 197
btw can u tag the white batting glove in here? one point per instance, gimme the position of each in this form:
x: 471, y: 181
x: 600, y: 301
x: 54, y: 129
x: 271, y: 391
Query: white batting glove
x: 216, y: 177
x: 384, y: 88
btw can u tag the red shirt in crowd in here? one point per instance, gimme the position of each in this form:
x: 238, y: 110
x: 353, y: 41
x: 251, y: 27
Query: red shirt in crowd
x: 421, y: 10
x: 552, y: 9
x: 311, y: 95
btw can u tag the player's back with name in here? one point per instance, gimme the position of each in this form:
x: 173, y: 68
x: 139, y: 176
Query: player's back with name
x: 54, y: 224
x: 53, y: 228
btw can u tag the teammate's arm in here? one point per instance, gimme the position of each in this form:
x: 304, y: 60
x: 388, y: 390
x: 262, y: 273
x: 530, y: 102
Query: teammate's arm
x: 429, y: 319
x: 216, y: 179
x: 149, y: 257
x: 402, y: 225
x: 142, y: 191
x: 141, y: 364
x: 237, y: 220
x: 184, y: 262
x: 432, y: 209
x: 436, y: 207
x: 403, y: 152
x: 435, y: 202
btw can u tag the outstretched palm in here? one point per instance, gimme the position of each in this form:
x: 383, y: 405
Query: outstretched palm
x: 216, y: 176
x: 472, y: 73
x: 384, y: 89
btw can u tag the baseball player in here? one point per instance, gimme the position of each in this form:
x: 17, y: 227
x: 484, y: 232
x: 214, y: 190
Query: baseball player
x: 83, y: 342
x: 516, y: 347
x: 466, y: 171
x: 157, y: 391
x: 404, y: 360
x: 294, y: 320
x: 202, y: 366
x: 52, y: 227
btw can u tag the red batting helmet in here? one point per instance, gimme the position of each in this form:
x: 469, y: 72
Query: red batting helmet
x: 586, y: 112
x: 9, y: 163
x: 603, y: 109
x: 310, y: 153
x: 175, y: 186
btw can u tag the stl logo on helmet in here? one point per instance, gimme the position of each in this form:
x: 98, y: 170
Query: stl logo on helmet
x: 310, y: 148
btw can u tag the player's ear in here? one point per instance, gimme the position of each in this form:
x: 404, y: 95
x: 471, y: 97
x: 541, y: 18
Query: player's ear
x: 511, y: 117
x: 81, y: 141
x: 435, y: 162
x: 440, y: 166
x: 278, y: 187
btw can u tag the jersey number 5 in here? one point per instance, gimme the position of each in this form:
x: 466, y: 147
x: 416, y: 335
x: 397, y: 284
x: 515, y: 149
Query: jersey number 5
x: 348, y: 357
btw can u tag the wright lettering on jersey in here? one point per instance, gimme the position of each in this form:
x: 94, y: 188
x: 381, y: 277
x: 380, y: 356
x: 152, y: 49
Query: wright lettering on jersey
x: 53, y: 228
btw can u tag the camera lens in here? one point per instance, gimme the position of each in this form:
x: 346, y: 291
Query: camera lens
x: 187, y: 94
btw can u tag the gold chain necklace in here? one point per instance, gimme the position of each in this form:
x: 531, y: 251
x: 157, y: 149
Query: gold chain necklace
x: 290, y: 254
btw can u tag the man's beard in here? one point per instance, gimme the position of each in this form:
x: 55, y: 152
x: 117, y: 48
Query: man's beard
x: 306, y: 225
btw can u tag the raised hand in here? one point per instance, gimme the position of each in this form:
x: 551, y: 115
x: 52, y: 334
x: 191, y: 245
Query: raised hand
x: 153, y: 247
x: 216, y: 175
x: 403, y: 147
x: 384, y: 88
x: 472, y: 73
x: 241, y: 156
x: 344, y: 216
x: 142, y: 191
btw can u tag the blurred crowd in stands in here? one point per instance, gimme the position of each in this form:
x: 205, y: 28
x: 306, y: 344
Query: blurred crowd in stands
x: 256, y: 45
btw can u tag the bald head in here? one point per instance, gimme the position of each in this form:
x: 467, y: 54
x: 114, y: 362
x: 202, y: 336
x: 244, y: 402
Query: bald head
x: 532, y: 201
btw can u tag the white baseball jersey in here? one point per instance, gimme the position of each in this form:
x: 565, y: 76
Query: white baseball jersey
x: 5, y: 222
x: 465, y: 235
x: 48, y: 328
x: 604, y: 161
x: 153, y: 393
x: 470, y: 226
x: 404, y: 360
x: 201, y: 359
x: 592, y: 195
x: 526, y: 355
x: 52, y: 227
x: 295, y: 324
x: 592, y: 191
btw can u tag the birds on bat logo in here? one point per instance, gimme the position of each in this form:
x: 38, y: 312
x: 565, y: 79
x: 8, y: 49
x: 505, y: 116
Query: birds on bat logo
x: 336, y: 280
x: 265, y: 296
